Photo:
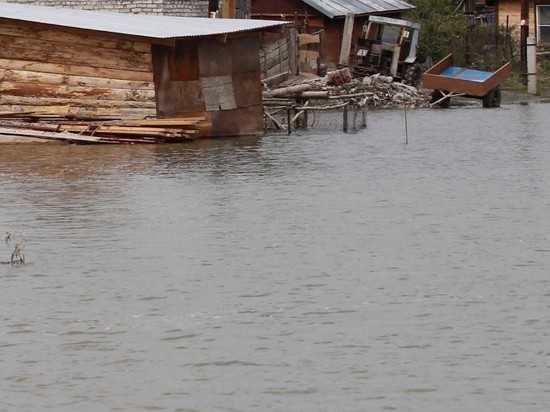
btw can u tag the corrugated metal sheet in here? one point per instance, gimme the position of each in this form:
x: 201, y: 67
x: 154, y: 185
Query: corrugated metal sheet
x: 339, y: 8
x: 154, y: 27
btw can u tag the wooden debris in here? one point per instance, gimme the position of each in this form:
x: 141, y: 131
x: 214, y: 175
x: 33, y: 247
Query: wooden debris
x: 379, y: 92
x: 339, y: 90
x: 288, y: 91
x: 69, y: 128
x: 339, y: 77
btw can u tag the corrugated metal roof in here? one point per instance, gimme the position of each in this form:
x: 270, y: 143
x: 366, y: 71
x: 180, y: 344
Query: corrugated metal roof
x: 339, y: 8
x: 149, y: 26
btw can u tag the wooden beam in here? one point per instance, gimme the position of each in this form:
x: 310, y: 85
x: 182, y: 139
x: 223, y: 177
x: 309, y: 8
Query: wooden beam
x: 346, y: 39
x: 229, y: 9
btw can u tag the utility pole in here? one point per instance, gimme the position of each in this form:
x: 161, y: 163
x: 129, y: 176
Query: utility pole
x: 524, y: 33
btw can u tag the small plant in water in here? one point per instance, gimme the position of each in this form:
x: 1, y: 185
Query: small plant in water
x: 17, y: 240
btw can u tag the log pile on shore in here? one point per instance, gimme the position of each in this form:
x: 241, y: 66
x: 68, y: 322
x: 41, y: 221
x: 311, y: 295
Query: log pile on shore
x: 373, y: 92
x: 74, y: 129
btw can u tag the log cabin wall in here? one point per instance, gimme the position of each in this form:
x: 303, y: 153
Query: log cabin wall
x: 47, y: 70
x: 213, y: 76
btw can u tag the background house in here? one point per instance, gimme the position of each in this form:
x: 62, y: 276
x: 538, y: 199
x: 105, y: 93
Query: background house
x: 90, y: 63
x: 509, y: 12
x: 185, y: 8
x: 232, y: 9
x: 327, y: 18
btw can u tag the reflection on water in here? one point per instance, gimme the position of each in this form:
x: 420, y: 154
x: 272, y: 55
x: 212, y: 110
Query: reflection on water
x: 321, y: 271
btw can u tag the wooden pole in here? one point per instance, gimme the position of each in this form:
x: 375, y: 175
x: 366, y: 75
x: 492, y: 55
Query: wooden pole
x: 531, y: 66
x: 345, y: 119
x: 406, y: 128
x: 346, y: 39
x: 288, y: 117
x: 229, y: 9
x: 293, y: 52
x: 524, y: 33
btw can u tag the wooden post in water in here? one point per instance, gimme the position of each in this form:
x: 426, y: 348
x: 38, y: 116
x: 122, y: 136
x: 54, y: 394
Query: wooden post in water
x: 345, y: 119
x: 300, y: 116
x: 406, y: 128
x: 288, y: 119
x: 364, y: 118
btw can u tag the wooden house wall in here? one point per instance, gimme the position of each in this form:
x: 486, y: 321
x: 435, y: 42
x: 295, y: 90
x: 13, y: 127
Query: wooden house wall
x: 276, y: 58
x: 333, y: 29
x: 44, y: 69
x: 286, y: 8
x: 333, y: 34
x: 510, y: 11
x: 214, y: 77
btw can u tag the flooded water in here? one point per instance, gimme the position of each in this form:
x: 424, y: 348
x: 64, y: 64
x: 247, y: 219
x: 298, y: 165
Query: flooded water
x: 313, y: 272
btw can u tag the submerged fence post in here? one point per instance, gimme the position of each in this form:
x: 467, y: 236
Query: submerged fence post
x: 288, y: 120
x: 345, y: 119
x: 364, y: 118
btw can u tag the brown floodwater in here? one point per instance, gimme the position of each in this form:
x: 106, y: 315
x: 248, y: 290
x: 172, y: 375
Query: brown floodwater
x: 319, y: 271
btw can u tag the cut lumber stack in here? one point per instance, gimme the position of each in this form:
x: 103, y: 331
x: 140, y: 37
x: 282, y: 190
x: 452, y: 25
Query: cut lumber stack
x: 103, y: 130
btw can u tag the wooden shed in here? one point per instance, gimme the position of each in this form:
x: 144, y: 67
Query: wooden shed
x: 86, y: 63
x: 328, y: 18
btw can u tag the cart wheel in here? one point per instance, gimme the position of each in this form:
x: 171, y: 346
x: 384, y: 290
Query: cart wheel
x: 492, y: 99
x: 437, y: 95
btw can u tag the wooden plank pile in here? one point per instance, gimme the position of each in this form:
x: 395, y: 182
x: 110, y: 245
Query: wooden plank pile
x: 74, y: 129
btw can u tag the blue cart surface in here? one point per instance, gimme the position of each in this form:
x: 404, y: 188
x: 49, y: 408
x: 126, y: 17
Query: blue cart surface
x: 448, y: 80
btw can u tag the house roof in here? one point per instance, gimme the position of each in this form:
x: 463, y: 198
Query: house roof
x: 340, y: 8
x: 148, y: 26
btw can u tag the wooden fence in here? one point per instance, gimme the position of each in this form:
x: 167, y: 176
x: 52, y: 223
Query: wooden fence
x: 279, y: 57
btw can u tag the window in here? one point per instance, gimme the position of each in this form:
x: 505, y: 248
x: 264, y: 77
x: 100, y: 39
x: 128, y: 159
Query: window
x: 543, y: 24
x: 391, y: 34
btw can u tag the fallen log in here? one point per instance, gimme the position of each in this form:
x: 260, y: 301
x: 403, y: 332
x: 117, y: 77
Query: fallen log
x: 289, y: 90
x: 45, y: 127
x: 276, y: 79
